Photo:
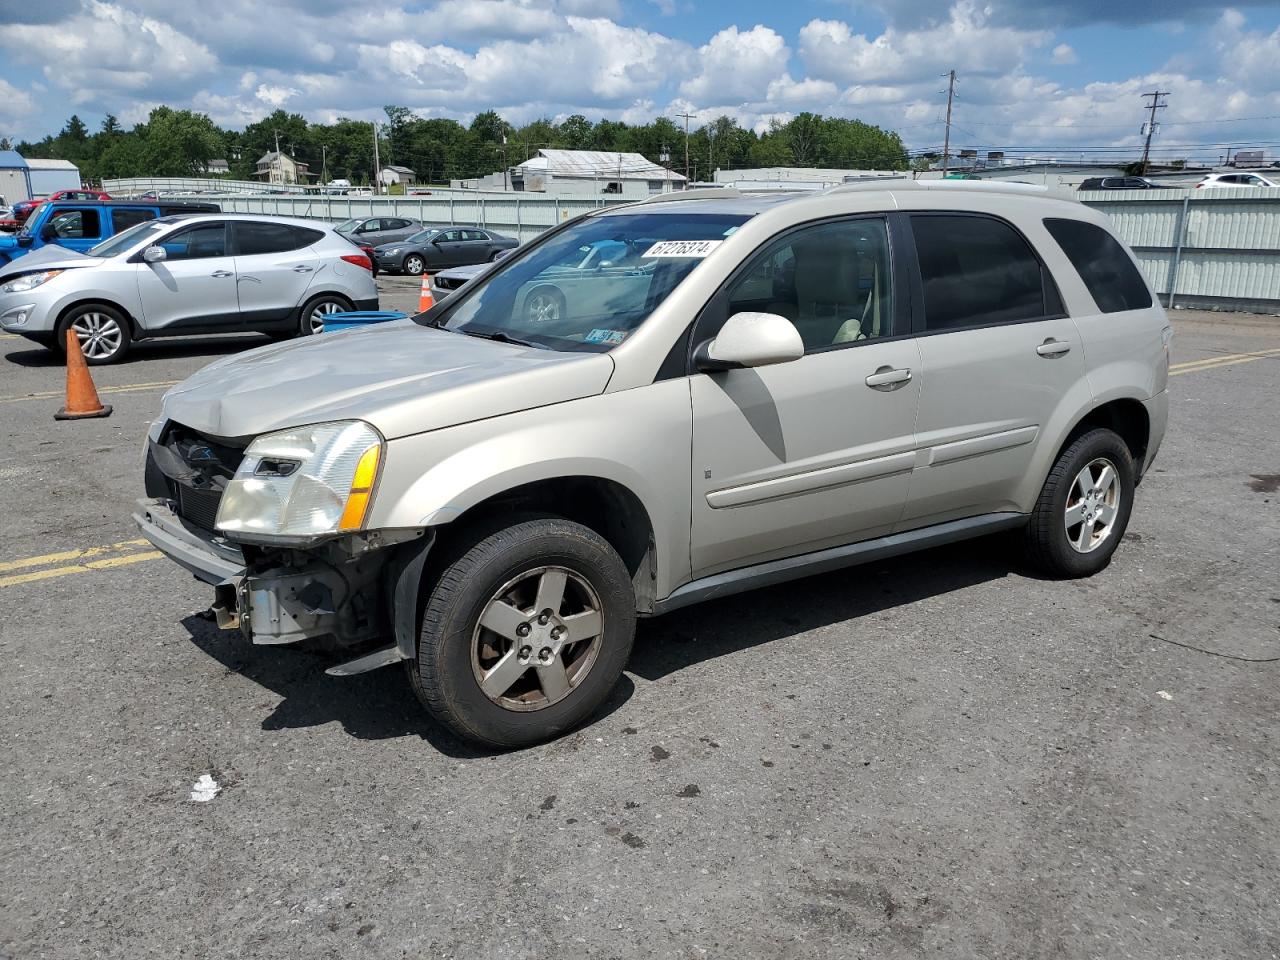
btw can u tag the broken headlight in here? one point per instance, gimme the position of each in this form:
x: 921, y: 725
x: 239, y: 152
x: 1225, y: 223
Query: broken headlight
x: 304, y: 482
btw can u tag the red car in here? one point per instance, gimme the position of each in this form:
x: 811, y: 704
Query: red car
x: 23, y: 209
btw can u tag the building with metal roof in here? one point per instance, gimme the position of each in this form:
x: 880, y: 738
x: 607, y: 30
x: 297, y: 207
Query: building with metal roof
x: 47, y: 177
x: 15, y: 177
x: 583, y: 172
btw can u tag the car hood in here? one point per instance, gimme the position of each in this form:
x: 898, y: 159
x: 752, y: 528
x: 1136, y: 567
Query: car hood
x: 401, y: 377
x: 51, y: 257
x: 393, y: 244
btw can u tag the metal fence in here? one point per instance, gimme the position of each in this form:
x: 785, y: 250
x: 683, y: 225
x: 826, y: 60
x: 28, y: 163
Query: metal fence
x: 1218, y: 249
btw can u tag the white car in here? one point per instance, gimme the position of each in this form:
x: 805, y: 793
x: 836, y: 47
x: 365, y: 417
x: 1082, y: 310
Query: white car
x: 188, y: 274
x: 1235, y: 180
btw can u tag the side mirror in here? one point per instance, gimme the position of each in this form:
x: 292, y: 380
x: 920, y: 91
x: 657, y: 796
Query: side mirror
x: 154, y: 254
x: 751, y: 340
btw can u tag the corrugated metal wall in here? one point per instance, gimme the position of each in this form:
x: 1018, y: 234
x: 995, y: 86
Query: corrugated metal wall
x: 1211, y: 248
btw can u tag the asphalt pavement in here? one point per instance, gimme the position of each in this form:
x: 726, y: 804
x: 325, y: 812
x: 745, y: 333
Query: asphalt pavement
x: 939, y: 756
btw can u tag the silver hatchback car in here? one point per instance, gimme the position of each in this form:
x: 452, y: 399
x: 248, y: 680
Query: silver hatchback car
x: 745, y: 390
x: 183, y: 275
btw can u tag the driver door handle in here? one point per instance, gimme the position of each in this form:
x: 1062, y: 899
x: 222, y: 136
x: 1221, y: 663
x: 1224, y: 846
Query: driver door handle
x: 1053, y: 348
x: 221, y: 273
x: 301, y: 268
x: 254, y: 279
x: 887, y: 378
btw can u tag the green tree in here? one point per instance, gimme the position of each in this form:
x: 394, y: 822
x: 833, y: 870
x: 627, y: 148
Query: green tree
x: 180, y: 143
x: 488, y: 127
x: 575, y: 132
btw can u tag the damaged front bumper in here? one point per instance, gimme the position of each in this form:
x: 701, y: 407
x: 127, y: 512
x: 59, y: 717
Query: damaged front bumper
x: 356, y: 593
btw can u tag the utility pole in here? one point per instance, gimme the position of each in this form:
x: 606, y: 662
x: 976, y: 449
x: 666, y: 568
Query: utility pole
x: 377, y: 164
x: 1150, y: 125
x: 946, y: 140
x: 687, y: 118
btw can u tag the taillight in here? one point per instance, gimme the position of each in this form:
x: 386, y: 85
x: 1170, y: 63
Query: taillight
x: 360, y: 260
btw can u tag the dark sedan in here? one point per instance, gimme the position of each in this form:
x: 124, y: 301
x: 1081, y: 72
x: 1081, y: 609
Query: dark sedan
x: 442, y: 247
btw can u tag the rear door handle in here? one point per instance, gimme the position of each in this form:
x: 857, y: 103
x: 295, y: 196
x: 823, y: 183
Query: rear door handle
x: 887, y: 378
x: 1053, y: 348
x: 300, y: 268
x: 221, y: 273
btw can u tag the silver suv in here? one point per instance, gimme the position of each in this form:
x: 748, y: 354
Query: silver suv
x: 183, y: 275
x: 744, y: 390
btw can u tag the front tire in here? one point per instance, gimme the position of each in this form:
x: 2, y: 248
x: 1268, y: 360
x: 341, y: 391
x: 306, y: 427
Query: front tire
x: 1084, y: 507
x: 414, y: 265
x: 525, y: 632
x: 103, y: 332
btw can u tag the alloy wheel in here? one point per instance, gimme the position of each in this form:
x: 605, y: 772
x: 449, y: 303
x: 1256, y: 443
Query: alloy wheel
x: 537, y: 639
x: 100, y: 336
x: 414, y: 266
x: 543, y: 307
x: 315, y: 322
x: 1093, y: 503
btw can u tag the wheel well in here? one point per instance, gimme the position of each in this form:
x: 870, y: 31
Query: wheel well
x: 1126, y: 417
x: 134, y: 332
x: 606, y: 507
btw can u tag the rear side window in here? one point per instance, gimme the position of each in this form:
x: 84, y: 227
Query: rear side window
x: 126, y: 217
x: 1103, y: 265
x: 256, y: 238
x: 976, y: 271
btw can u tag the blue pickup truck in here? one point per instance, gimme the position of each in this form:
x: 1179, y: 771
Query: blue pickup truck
x: 79, y: 225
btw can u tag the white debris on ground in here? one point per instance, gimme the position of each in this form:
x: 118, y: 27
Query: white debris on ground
x: 1164, y: 694
x: 205, y: 789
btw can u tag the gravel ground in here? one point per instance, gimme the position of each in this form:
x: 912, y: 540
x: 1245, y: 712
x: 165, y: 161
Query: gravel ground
x: 940, y: 755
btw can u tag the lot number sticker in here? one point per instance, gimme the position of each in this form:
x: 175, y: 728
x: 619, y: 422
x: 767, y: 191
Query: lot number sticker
x: 682, y: 248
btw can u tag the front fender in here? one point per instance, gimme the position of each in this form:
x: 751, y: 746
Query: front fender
x: 639, y: 439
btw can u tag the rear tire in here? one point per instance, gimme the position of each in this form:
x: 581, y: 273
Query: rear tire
x: 311, y: 316
x: 541, y: 672
x: 1084, y: 507
x: 104, y: 333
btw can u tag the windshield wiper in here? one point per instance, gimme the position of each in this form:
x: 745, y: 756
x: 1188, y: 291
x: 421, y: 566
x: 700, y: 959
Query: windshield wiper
x: 500, y: 337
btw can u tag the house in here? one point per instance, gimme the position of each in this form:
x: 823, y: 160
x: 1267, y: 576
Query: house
x: 391, y: 175
x: 279, y: 167
x: 589, y: 172
x: 216, y: 168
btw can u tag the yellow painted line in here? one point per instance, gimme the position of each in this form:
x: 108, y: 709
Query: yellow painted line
x: 8, y: 336
x: 1226, y: 360
x: 66, y: 556
x: 123, y: 388
x: 89, y: 567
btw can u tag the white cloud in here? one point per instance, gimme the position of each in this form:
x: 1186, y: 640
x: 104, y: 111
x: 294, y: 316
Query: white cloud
x: 738, y: 64
x: 15, y: 104
x: 1063, y: 55
x: 275, y: 96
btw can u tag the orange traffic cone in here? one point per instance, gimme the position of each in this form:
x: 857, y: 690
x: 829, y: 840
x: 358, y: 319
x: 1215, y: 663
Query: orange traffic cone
x: 425, y: 301
x: 82, y: 395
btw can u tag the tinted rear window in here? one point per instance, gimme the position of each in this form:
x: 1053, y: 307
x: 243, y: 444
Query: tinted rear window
x: 976, y: 271
x: 1103, y: 265
x: 255, y: 238
x: 125, y: 217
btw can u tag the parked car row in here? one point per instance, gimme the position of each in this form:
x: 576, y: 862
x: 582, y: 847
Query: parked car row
x: 1212, y: 180
x: 438, y: 247
x: 181, y: 274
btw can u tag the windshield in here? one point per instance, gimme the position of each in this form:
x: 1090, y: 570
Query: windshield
x: 422, y: 236
x: 348, y: 225
x: 593, y: 284
x: 126, y: 240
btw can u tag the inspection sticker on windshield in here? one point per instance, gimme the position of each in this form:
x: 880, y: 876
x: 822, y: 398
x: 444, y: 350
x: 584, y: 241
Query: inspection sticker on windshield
x: 613, y: 337
x: 682, y: 248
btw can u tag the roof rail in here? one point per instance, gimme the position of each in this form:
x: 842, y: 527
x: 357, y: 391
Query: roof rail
x: 891, y: 183
x: 697, y: 193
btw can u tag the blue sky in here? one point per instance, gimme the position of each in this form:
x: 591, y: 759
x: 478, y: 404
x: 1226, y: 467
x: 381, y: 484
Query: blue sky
x: 1032, y: 73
